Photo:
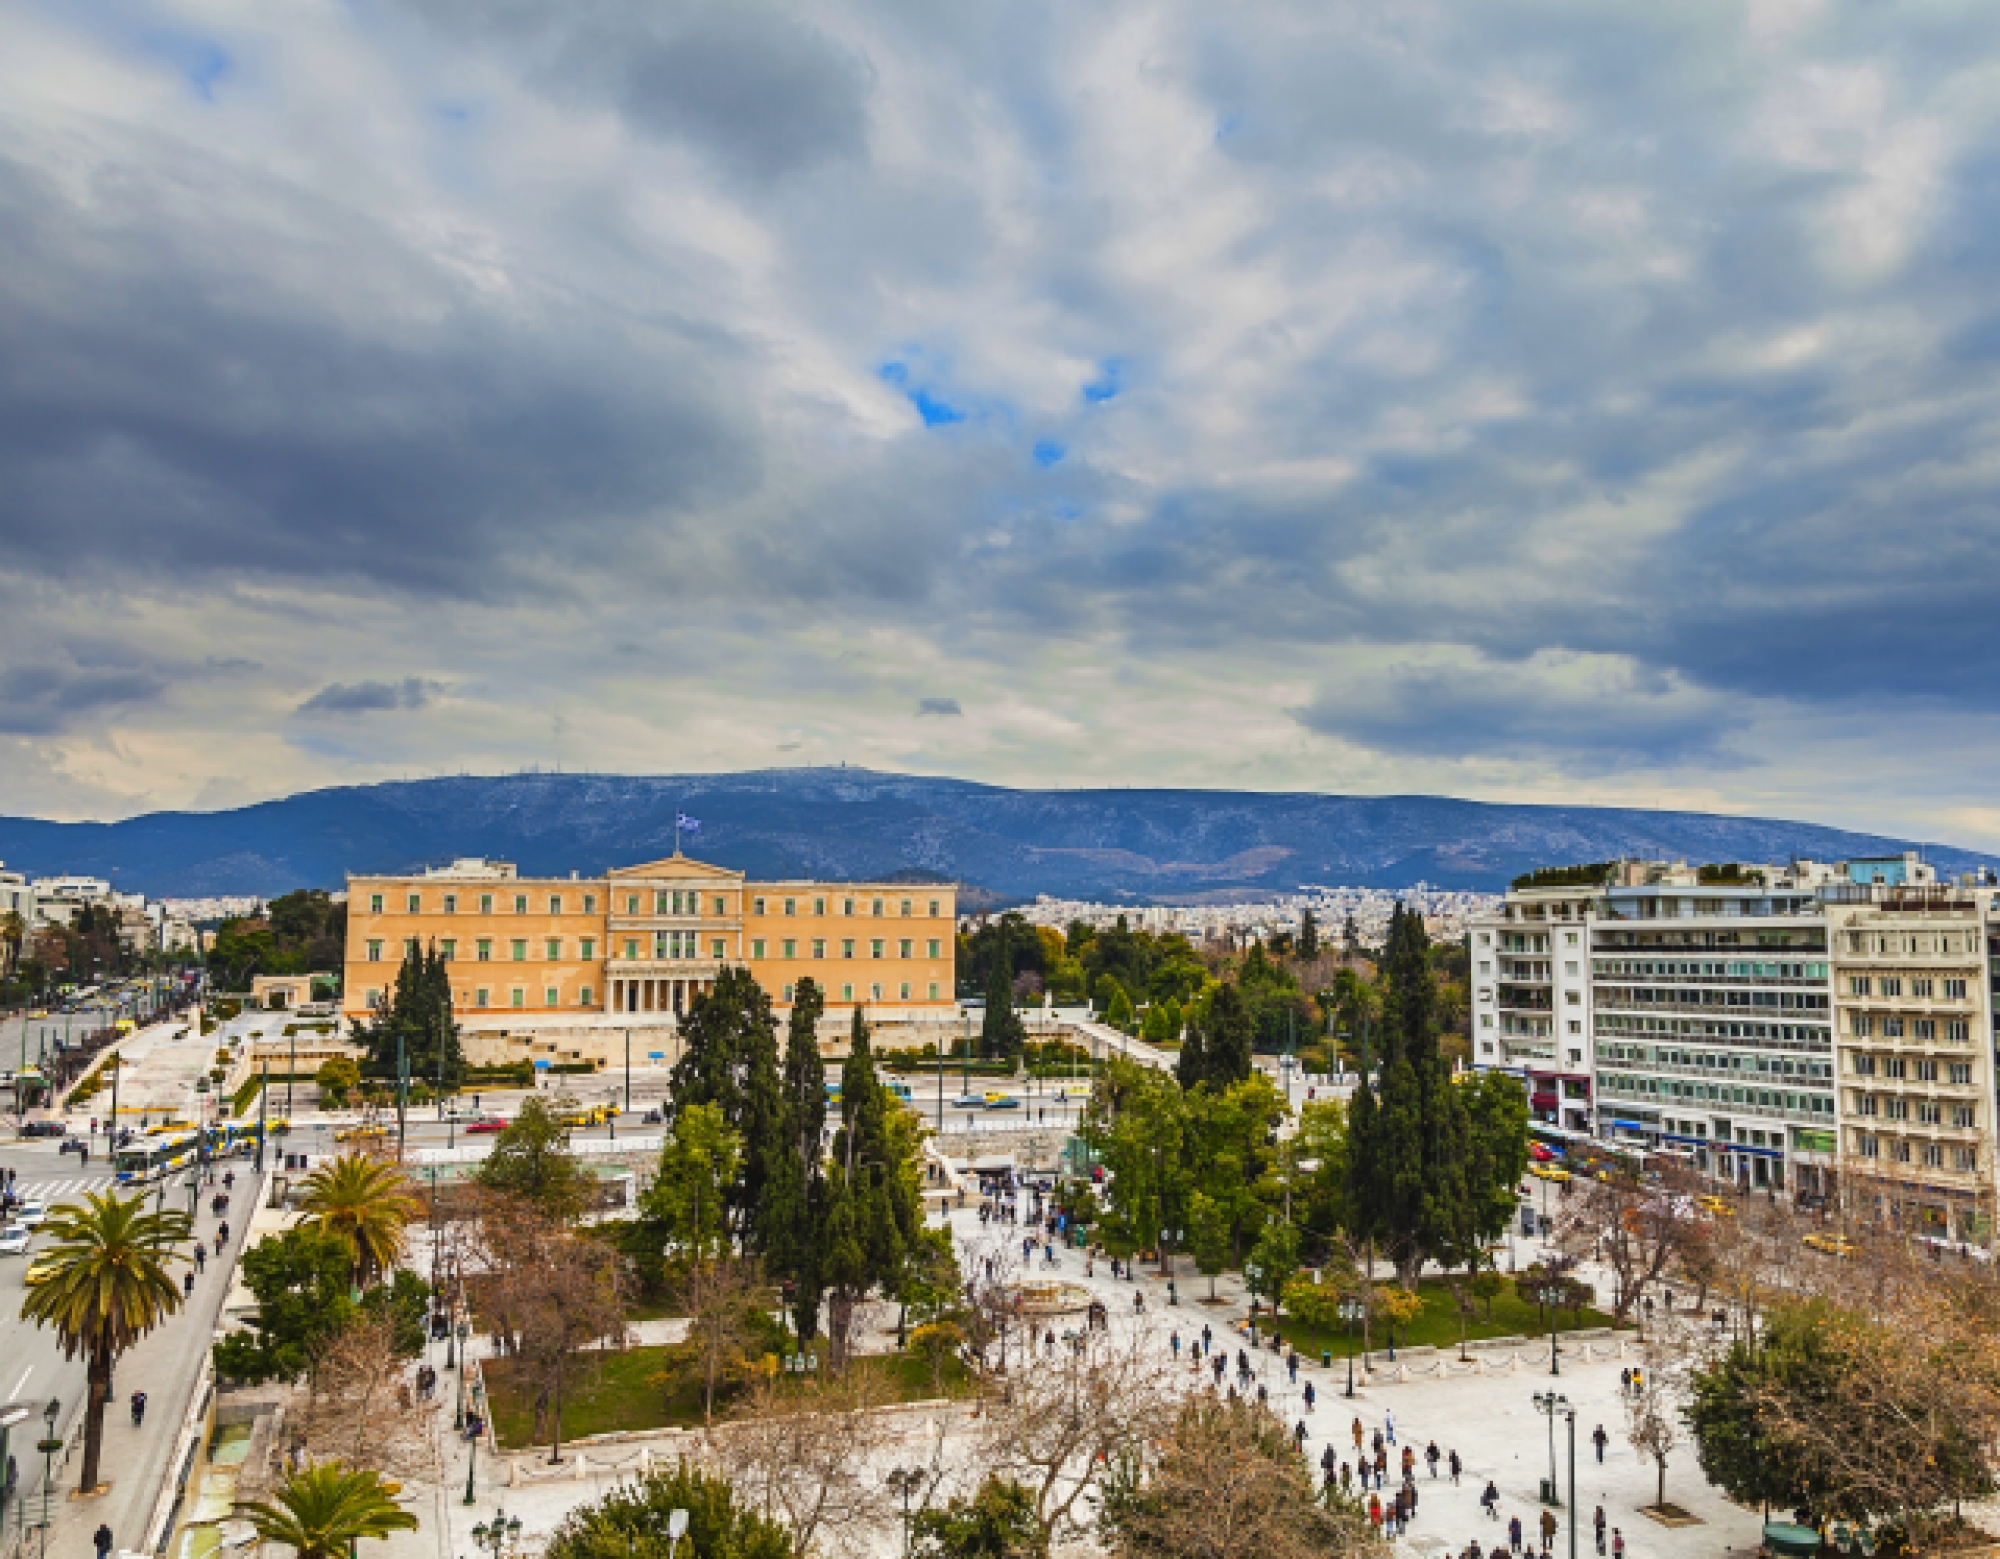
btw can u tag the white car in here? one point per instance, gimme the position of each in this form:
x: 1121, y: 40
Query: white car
x: 32, y: 1215
x: 14, y: 1239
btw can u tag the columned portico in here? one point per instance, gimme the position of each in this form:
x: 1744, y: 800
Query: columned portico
x: 642, y: 992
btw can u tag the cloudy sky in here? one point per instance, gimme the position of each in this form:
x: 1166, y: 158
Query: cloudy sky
x: 1522, y: 400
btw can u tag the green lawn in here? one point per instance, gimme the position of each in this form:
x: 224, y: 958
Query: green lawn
x: 613, y: 1393
x: 1438, y: 1326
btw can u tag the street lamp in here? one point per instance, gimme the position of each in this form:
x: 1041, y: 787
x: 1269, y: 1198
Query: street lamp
x: 499, y: 1535
x: 48, y: 1445
x: 904, y: 1482
x: 1350, y: 1311
x: 458, y: 1419
x: 472, y: 1458
x: 1548, y: 1404
x: 1551, y: 1294
x: 677, y: 1526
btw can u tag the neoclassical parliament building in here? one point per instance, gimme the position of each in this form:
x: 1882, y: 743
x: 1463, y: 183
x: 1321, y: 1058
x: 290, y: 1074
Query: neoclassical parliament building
x: 563, y: 964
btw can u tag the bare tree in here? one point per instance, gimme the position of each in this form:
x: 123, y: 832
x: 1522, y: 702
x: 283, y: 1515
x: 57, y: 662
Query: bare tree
x: 1653, y: 1401
x: 803, y: 1452
x: 551, y: 1295
x: 722, y: 1299
x: 361, y: 1407
x: 1636, y: 1229
x: 1058, y: 1428
x: 1225, y: 1482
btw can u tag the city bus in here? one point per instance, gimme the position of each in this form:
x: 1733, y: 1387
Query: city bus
x: 154, y: 1158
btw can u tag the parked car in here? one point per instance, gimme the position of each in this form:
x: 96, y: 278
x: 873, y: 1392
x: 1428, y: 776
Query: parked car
x: 32, y: 1215
x: 45, y: 1129
x: 1831, y: 1244
x: 14, y: 1239
x: 1002, y: 1101
x: 361, y: 1134
x: 487, y: 1123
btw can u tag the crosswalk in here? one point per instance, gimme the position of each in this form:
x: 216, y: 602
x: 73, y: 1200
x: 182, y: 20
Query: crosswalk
x: 49, y: 1192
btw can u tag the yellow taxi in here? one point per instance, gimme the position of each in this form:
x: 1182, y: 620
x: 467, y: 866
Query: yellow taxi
x: 1549, y: 1172
x: 1715, y: 1207
x: 1831, y: 1244
x: 361, y: 1134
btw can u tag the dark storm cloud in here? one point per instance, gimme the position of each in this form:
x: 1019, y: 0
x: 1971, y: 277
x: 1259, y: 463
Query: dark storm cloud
x: 938, y: 706
x: 355, y: 698
x: 42, y: 697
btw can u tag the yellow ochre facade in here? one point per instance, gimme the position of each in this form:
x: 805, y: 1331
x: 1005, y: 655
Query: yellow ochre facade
x: 636, y: 945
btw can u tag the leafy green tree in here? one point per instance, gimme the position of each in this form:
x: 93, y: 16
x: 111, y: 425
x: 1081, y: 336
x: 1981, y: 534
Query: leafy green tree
x: 997, y: 1522
x: 323, y: 1512
x: 300, y: 1279
x: 1319, y: 1193
x: 1154, y: 1030
x: 1229, y: 1038
x: 1113, y: 1001
x: 874, y: 1191
x: 1308, y: 936
x: 1726, y: 1409
x: 1229, y: 1153
x: 531, y: 1160
x: 1276, y: 1258
x: 1211, y: 1235
x: 731, y: 1062
x: 688, y: 1199
x: 364, y: 1203
x: 1191, y: 1066
x: 337, y: 1077
x: 630, y: 1518
x: 1135, y: 1123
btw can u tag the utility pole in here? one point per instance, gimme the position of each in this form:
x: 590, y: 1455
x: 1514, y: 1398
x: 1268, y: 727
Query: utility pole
x: 402, y: 1095
x: 263, y: 1114
x: 628, y: 1071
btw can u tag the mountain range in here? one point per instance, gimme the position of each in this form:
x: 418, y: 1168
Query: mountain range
x: 1005, y: 845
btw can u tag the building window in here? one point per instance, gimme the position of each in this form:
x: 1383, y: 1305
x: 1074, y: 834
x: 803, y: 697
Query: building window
x: 1964, y: 1160
x: 374, y: 1000
x: 874, y: 993
x: 1896, y: 1109
x: 587, y: 948
x: 590, y: 904
x: 479, y: 998
x: 878, y: 909
x: 819, y: 906
x: 1954, y: 990
x: 933, y: 945
x: 875, y: 948
x: 520, y: 950
x: 1962, y: 1117
x: 448, y: 949
x: 819, y: 947
x: 908, y: 908
x: 552, y: 997
x: 787, y: 992
x: 1863, y: 1025
x: 520, y: 903
x: 934, y: 994
x: 485, y: 903
x: 520, y: 996
x: 847, y: 993
x: 756, y: 906
x: 1921, y: 988
x: 374, y: 903
x: 485, y: 954
x: 555, y: 948
x: 1892, y: 1028
x: 1961, y: 1072
x: 757, y: 947
x: 583, y: 997
x: 1891, y: 986
x: 847, y: 947
x: 1486, y: 1020
x: 631, y: 903
x: 374, y: 952
x: 847, y: 906
x: 791, y: 948
x: 1933, y: 1156
x: 1927, y: 1071
x: 1923, y: 1028
x: 1857, y: 985
x: 1929, y: 1114
x: 791, y: 906
x: 416, y: 902
x: 718, y: 947
x: 1576, y: 1025
x: 1956, y: 1031
x: 631, y: 947
x: 934, y: 908
x: 905, y: 945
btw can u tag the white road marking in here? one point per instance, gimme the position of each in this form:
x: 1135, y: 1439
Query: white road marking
x: 15, y: 1394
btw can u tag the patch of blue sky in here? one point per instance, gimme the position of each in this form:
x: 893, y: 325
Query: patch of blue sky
x: 1227, y: 126
x: 201, y: 61
x: 1109, y: 381
x: 1048, y: 452
x: 935, y: 412
x: 453, y: 113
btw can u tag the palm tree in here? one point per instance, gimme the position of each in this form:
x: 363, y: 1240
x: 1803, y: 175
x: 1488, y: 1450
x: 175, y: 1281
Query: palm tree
x: 368, y: 1204
x: 103, y: 1285
x: 323, y: 1511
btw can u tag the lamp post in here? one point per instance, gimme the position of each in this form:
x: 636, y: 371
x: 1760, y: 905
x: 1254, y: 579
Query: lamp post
x: 677, y: 1526
x: 904, y: 1482
x: 48, y: 1445
x: 1350, y: 1312
x: 1551, y: 1294
x: 1548, y: 1404
x: 472, y: 1463
x: 1570, y: 1414
x: 498, y: 1535
x: 458, y: 1418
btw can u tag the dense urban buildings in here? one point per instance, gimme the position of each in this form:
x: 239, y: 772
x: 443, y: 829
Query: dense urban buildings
x: 1780, y: 1026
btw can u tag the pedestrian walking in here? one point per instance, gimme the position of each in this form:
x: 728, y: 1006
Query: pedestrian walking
x: 1455, y: 1464
x: 101, y: 1540
x: 1174, y: 1342
x: 1513, y: 1531
x: 1357, y: 1434
x: 1489, y: 1499
x: 1311, y: 1396
x: 1617, y: 1544
x: 187, y: 1284
x: 200, y: 1256
x: 1388, y: 1422
x: 1600, y: 1439
x: 1625, y: 1382
x: 1431, y: 1454
x: 1597, y: 1525
x: 1292, y: 1363
x: 1548, y: 1527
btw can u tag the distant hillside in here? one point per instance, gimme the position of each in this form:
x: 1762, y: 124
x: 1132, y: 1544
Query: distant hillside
x: 833, y: 824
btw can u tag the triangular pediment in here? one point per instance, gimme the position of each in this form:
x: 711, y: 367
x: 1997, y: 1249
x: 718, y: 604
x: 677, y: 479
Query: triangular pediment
x: 673, y: 868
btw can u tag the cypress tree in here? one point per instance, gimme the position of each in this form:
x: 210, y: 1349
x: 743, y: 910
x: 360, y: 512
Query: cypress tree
x: 730, y: 1061
x: 419, y: 1013
x: 1230, y: 1033
x: 1001, y: 1033
x: 1192, y: 1066
x: 791, y: 1217
x: 874, y: 1196
x: 1308, y: 936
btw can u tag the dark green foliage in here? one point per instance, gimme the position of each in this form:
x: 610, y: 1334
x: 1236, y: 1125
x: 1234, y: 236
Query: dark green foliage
x: 998, y: 1522
x: 419, y: 1015
x: 788, y: 1218
x: 1590, y: 876
x: 1229, y: 1037
x: 1001, y: 1032
x: 406, y: 1300
x: 1191, y: 1067
x: 874, y: 1195
x: 1736, y: 1452
x: 531, y: 1160
x: 731, y: 1062
x: 631, y: 1520
x: 1308, y: 936
x: 300, y: 1279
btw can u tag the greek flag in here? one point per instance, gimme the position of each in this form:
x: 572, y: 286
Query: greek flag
x: 685, y: 824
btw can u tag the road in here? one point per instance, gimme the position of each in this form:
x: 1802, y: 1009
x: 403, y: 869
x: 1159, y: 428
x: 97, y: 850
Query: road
x: 165, y: 1366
